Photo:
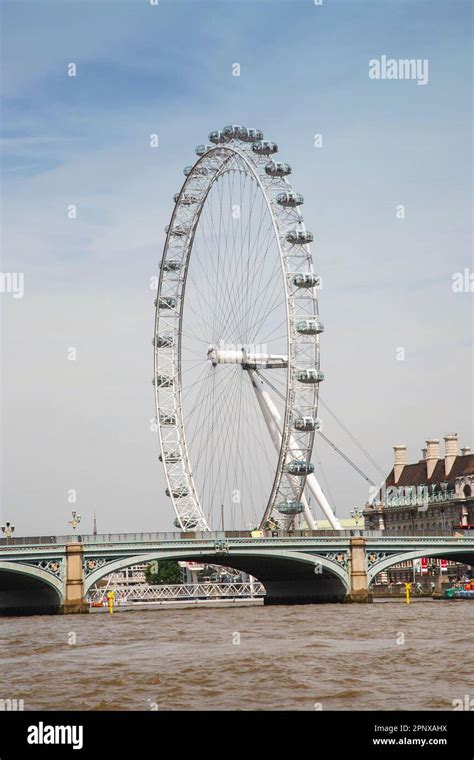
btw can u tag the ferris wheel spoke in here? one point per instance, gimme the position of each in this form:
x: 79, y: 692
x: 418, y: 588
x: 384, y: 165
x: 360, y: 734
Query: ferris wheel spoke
x: 242, y: 292
x: 226, y: 274
x: 271, y: 336
x: 216, y: 273
x: 221, y: 449
x: 257, y: 300
x: 257, y: 254
x: 277, y: 303
x: 194, y: 383
x: 203, y: 394
x: 232, y: 462
x: 204, y: 436
x: 272, y: 282
x: 186, y: 391
x: 227, y: 482
x: 229, y: 284
x: 258, y: 306
x: 258, y: 292
x: 205, y: 246
x: 199, y: 312
x: 204, y: 251
x: 223, y: 384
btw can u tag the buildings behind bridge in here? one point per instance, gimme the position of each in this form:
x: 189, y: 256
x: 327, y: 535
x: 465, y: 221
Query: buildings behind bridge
x: 433, y: 495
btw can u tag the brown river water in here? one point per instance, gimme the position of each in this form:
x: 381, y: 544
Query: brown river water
x: 386, y: 655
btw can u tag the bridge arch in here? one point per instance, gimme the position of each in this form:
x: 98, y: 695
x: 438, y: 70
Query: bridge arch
x: 288, y: 576
x: 458, y: 554
x: 28, y: 589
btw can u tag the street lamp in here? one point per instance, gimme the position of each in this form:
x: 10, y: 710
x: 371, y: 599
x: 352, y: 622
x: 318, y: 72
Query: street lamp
x: 8, y: 529
x: 76, y: 519
x: 356, y: 514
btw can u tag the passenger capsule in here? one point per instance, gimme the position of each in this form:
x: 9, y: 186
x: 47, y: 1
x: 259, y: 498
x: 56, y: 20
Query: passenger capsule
x: 249, y: 135
x: 277, y: 169
x: 217, y: 137
x: 299, y: 467
x: 178, y: 230
x: 309, y: 327
x: 167, y: 303
x: 306, y: 280
x: 290, y: 199
x: 306, y: 424
x: 186, y: 199
x: 201, y: 170
x: 202, y: 149
x: 163, y: 341
x: 188, y: 522
x: 299, y: 237
x: 178, y: 493
x: 310, y: 376
x: 170, y: 456
x: 264, y: 147
x: 170, y: 265
x: 231, y: 131
x: 290, y: 507
x: 167, y: 419
x: 163, y: 381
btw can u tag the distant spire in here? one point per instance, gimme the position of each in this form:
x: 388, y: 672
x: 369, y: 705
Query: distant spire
x: 95, y: 525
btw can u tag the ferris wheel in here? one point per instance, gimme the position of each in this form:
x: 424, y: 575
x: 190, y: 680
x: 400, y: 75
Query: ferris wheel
x: 236, y: 343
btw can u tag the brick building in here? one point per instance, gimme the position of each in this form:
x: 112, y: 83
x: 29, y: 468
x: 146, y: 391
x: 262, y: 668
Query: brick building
x: 431, y: 495
x: 434, y: 495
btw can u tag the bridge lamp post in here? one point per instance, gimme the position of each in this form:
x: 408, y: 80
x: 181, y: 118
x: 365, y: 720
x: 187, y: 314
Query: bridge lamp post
x: 76, y: 519
x: 356, y: 515
x: 8, y: 529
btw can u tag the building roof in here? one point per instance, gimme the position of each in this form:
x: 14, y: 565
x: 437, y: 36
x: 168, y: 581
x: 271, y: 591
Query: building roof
x: 415, y: 474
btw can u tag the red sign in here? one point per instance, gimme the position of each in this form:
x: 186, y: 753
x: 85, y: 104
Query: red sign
x: 424, y: 565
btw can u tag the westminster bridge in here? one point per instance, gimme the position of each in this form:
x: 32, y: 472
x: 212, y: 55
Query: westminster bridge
x: 55, y: 573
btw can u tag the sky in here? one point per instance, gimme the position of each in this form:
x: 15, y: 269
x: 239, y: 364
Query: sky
x: 397, y: 348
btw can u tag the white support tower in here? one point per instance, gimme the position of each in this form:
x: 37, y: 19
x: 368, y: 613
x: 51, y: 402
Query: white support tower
x: 274, y: 424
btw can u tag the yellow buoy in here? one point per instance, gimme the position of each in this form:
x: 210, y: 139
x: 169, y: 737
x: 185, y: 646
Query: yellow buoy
x: 407, y: 590
x: 111, y: 598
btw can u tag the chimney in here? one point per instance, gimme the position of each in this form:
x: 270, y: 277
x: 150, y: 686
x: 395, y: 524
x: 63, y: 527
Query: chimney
x: 450, y: 451
x: 424, y: 452
x: 465, y: 451
x: 400, y: 461
x: 432, y: 455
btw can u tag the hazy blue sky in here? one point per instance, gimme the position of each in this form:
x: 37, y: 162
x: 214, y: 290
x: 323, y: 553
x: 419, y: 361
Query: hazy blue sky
x: 387, y: 282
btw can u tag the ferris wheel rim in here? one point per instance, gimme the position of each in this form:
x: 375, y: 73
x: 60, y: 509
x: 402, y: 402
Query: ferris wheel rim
x: 225, y: 153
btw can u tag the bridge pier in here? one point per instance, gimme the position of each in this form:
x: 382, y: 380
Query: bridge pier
x: 358, y: 572
x: 74, y: 599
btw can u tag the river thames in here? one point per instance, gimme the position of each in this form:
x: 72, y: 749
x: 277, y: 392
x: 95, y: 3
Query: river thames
x: 385, y: 655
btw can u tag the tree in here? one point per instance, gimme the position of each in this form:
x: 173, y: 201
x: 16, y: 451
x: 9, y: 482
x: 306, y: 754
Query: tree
x: 164, y: 572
